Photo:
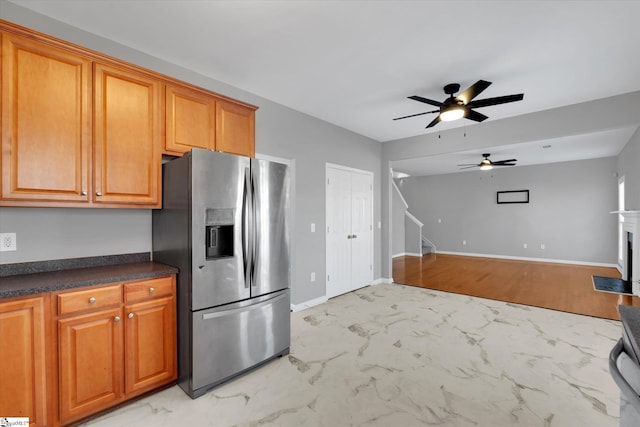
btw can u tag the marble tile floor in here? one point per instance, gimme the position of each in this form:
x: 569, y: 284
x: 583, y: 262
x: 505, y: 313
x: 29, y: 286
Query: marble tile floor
x: 395, y: 355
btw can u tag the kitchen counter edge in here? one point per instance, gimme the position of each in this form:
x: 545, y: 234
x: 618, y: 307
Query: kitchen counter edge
x: 38, y: 283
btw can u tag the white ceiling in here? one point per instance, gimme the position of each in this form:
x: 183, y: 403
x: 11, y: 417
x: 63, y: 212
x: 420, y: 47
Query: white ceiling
x: 354, y: 62
x: 568, y: 148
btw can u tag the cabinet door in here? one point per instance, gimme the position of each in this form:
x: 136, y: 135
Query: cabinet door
x: 90, y: 363
x: 190, y: 120
x: 150, y: 344
x: 127, y: 137
x: 46, y: 122
x: 23, y: 390
x: 235, y: 129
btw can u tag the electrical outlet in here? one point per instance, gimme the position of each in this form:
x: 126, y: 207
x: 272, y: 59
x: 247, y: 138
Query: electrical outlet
x: 525, y: 246
x: 313, y: 227
x: 542, y: 246
x: 7, y: 242
x: 313, y: 276
x: 464, y: 242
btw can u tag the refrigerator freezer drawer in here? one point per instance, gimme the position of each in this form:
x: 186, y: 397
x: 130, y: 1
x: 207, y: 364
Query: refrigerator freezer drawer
x: 230, y: 339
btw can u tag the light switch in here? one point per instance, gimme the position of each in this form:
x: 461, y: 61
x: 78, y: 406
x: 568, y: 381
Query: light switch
x: 313, y: 227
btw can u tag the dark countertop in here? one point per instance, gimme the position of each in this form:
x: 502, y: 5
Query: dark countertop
x: 630, y: 317
x: 36, y: 283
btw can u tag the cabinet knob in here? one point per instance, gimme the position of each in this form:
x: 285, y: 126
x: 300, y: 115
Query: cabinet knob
x: 98, y: 194
x: 130, y: 316
x: 84, y: 193
x: 92, y: 300
x: 152, y: 290
x: 116, y: 319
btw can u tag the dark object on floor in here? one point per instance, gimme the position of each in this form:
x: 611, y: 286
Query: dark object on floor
x: 611, y: 284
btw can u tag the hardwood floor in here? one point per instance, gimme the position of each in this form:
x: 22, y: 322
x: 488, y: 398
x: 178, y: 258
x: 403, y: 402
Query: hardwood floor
x: 563, y: 287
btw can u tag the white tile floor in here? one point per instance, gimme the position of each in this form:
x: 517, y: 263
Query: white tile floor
x: 393, y: 355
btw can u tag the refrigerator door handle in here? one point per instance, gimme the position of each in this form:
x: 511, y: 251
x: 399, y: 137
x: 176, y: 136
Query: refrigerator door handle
x: 246, y: 227
x: 255, y: 232
x: 251, y: 307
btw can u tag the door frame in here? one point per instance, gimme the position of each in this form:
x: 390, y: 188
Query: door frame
x: 372, y: 243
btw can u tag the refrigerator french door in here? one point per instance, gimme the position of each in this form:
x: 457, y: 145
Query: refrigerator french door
x: 224, y: 225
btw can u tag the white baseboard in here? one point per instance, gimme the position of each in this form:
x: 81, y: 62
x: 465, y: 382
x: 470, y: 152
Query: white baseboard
x: 405, y: 254
x: 323, y: 299
x: 382, y: 280
x: 309, y: 304
x: 517, y: 258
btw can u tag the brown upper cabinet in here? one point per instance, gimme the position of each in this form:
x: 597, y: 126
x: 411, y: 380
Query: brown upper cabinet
x: 189, y: 119
x: 235, y: 130
x: 126, y: 137
x: 81, y: 129
x: 195, y: 118
x: 46, y: 122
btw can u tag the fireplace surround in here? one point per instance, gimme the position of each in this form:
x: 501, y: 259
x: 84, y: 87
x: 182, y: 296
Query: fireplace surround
x: 631, y: 255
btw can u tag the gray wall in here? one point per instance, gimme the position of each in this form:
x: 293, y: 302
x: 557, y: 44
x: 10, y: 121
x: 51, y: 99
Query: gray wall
x: 412, y: 237
x: 568, y: 211
x: 629, y: 167
x: 280, y: 132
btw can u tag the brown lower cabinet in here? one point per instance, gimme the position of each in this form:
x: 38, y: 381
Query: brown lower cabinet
x: 90, y: 350
x: 114, y: 342
x: 23, y: 384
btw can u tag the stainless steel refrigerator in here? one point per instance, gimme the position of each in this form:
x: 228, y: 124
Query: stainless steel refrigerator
x: 224, y: 225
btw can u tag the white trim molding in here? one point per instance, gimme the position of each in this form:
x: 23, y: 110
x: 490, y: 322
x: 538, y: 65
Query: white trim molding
x: 382, y: 280
x: 517, y: 258
x: 308, y: 304
x: 406, y: 205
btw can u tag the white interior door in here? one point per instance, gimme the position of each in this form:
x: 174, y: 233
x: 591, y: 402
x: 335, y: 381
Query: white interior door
x: 349, y: 229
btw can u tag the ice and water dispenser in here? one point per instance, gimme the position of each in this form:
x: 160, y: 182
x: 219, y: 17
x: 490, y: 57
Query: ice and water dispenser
x: 219, y: 229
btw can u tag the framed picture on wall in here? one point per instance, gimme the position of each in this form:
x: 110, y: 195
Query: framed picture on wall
x: 514, y: 196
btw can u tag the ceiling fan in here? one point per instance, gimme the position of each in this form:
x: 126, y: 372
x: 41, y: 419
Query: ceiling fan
x: 487, y: 164
x: 456, y: 107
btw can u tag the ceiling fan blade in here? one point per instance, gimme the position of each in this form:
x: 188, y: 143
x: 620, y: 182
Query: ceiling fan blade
x: 426, y: 100
x: 473, y: 91
x: 434, y: 122
x: 495, y: 101
x: 468, y: 164
x: 497, y: 162
x: 475, y: 116
x: 419, y: 114
x: 469, y: 167
x: 504, y: 164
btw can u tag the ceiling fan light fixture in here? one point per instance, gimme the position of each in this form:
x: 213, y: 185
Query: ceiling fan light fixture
x: 485, y: 165
x: 451, y: 114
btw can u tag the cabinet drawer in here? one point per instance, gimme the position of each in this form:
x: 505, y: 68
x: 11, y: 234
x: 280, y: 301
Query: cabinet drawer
x: 89, y: 299
x: 146, y: 289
